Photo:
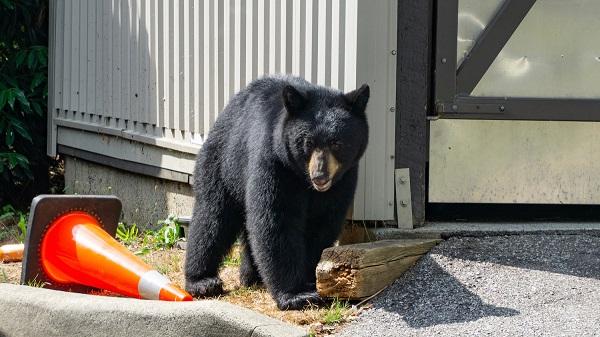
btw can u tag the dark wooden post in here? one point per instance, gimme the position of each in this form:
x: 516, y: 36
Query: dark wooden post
x: 413, y: 88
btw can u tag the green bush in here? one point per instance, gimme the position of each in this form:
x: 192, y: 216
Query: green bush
x: 24, y: 165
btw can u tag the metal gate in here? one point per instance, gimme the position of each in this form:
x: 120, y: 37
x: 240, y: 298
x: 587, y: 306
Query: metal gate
x: 515, y: 98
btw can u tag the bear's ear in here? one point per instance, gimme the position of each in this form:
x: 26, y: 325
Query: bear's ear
x: 293, y: 100
x: 358, y: 99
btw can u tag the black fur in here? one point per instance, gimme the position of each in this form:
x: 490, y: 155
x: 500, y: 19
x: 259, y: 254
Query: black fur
x: 251, y: 179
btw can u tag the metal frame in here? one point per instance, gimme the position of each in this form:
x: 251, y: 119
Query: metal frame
x: 453, y: 86
x: 414, y: 87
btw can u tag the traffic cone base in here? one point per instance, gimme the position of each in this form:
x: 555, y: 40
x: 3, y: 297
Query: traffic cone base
x: 47, y: 208
x: 76, y: 250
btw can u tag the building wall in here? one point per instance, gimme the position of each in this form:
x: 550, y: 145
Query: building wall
x: 156, y: 73
x: 146, y: 200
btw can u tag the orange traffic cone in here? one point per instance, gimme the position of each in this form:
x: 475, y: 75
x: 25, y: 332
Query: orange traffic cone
x: 76, y: 250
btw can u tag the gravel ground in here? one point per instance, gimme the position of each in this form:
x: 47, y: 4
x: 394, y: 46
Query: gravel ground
x: 529, y: 285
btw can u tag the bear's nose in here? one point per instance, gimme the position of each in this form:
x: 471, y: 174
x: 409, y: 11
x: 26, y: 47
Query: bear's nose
x: 320, y: 180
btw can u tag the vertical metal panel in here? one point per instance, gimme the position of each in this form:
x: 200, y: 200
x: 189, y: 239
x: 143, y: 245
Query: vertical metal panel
x: 161, y: 71
x: 376, y: 65
x: 116, y: 63
x: 75, y: 49
x: 97, y: 61
x: 66, y: 73
x: 52, y: 88
x: 82, y: 66
x: 89, y: 81
x: 523, y: 162
x: 125, y: 53
x: 134, y: 64
x: 186, y: 72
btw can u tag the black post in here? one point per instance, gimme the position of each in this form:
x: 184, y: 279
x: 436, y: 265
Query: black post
x: 413, y: 87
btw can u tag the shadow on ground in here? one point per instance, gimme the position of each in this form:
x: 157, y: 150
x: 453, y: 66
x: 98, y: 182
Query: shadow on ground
x: 576, y: 255
x: 432, y: 296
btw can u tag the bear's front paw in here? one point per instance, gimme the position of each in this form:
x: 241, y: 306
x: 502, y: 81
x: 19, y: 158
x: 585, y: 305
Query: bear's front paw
x: 298, y: 301
x: 206, y: 287
x: 310, y: 287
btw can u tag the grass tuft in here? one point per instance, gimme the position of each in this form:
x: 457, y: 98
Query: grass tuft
x: 232, y: 259
x: 336, y: 313
x: 165, y: 237
x: 36, y: 283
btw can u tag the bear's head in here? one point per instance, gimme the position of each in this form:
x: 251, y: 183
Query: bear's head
x: 325, y: 132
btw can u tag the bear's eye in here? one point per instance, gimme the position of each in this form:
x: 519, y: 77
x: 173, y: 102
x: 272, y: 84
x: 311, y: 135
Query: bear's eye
x: 335, y: 145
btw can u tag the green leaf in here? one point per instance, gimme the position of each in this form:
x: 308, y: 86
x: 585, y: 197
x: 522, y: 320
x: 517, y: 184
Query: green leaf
x: 38, y: 78
x: 20, y: 57
x: 31, y: 60
x: 7, y: 3
x: 12, y: 160
x: 10, y: 97
x: 21, y: 129
x: 37, y: 108
x: 15, y: 159
x: 21, y: 97
x: 3, y: 98
x: 42, y: 54
x: 10, y: 80
x: 22, y: 224
x: 9, y: 137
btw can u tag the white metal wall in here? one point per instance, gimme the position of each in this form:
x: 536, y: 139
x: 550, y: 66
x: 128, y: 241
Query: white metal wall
x: 158, y: 72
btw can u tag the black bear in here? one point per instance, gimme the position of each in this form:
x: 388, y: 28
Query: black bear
x: 279, y: 170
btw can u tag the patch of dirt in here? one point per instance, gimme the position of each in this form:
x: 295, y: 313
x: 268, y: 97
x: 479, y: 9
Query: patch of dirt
x: 10, y: 272
x: 170, y: 262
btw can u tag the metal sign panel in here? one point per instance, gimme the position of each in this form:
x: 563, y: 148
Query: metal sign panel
x: 485, y: 161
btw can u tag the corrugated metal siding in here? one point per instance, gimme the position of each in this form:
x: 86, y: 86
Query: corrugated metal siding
x: 159, y: 72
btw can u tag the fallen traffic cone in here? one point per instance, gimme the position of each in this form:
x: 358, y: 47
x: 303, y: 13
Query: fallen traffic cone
x: 74, y: 249
x: 11, y: 253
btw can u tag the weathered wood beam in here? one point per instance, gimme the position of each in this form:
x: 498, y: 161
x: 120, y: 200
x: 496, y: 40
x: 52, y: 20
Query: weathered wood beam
x: 360, y: 270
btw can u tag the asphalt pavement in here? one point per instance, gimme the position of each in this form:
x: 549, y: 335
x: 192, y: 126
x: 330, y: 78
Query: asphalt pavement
x: 515, y: 285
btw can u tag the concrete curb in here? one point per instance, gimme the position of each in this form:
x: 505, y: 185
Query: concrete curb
x: 444, y: 230
x: 28, y: 311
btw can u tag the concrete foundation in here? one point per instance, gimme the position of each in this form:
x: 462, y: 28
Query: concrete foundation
x: 146, y: 200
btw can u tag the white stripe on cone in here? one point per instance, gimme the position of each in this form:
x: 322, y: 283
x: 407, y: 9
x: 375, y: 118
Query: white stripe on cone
x: 150, y: 285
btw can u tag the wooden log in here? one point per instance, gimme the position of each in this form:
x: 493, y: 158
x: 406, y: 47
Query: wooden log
x: 360, y: 270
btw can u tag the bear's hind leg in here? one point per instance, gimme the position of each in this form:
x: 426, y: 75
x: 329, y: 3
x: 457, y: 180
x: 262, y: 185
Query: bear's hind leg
x: 216, y: 221
x: 249, y: 275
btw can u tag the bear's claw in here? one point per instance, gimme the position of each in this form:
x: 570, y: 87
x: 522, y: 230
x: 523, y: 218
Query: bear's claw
x: 298, y: 301
x: 206, y: 287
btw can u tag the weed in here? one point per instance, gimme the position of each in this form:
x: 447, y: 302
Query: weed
x: 232, y: 260
x: 22, y: 225
x: 36, y: 283
x: 4, y: 277
x: 127, y: 234
x: 9, y: 216
x: 169, y: 233
x: 165, y: 237
x: 336, y: 313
